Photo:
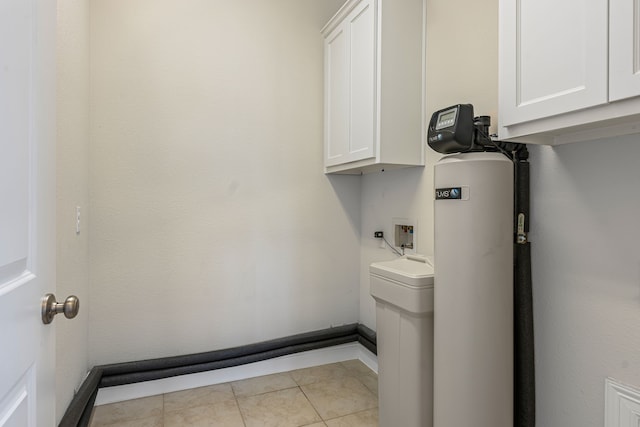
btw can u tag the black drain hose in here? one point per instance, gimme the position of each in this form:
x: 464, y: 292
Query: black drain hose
x: 524, y: 362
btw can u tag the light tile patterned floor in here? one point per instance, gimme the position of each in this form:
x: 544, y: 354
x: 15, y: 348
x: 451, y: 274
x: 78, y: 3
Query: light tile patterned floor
x: 336, y: 395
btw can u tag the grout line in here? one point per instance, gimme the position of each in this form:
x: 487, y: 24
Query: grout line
x: 352, y: 413
x: 311, y: 403
x: 162, y: 414
x: 353, y: 373
x: 233, y: 390
x: 266, y: 392
x: 244, y: 423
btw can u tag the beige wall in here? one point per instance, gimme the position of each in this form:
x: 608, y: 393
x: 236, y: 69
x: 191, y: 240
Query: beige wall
x: 586, y: 276
x: 585, y: 259
x: 213, y: 224
x: 206, y: 128
x: 462, y: 67
x: 72, y: 190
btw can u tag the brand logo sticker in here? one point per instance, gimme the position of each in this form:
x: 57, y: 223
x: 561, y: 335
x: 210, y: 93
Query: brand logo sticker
x: 451, y: 193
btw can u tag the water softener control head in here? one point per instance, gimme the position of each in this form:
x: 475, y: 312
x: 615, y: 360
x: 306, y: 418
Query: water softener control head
x: 451, y: 130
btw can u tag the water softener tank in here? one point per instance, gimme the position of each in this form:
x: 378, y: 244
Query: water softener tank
x: 473, y: 299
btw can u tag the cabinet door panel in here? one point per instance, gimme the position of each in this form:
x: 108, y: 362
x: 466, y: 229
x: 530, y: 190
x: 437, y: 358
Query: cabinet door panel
x: 624, y: 49
x: 362, y: 81
x: 553, y: 57
x: 336, y: 97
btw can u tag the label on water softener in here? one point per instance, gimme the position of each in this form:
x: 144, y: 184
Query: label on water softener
x: 451, y: 193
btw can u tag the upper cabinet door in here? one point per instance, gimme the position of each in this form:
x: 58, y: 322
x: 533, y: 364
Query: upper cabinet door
x: 362, y: 32
x: 624, y: 49
x: 336, y: 103
x: 553, y: 57
x: 350, y: 87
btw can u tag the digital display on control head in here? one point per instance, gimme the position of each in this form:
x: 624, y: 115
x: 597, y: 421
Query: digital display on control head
x: 446, y: 119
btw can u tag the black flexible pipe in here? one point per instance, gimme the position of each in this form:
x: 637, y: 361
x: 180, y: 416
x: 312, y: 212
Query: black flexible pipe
x: 78, y: 413
x: 176, y: 362
x: 525, y: 388
x: 524, y: 366
x: 167, y: 372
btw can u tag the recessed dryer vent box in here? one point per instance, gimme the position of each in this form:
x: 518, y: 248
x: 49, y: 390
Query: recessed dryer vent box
x: 404, y: 236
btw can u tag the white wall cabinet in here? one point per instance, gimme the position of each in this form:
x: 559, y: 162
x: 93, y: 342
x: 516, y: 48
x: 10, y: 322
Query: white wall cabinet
x: 624, y: 49
x: 374, y: 86
x: 569, y: 71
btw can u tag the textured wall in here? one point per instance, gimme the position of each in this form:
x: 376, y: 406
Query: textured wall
x: 460, y: 69
x: 72, y: 190
x: 586, y: 265
x: 213, y: 226
x: 212, y: 222
x: 586, y: 276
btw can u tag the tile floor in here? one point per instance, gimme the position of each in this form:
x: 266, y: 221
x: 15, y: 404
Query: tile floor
x: 336, y: 395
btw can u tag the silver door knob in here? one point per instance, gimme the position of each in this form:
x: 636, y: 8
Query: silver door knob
x: 50, y: 307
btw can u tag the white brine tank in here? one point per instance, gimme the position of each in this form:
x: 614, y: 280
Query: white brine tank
x: 403, y: 290
x: 473, y: 301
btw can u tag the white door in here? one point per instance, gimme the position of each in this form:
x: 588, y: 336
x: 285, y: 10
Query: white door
x: 27, y: 211
x: 350, y: 87
x: 553, y: 57
x: 624, y: 49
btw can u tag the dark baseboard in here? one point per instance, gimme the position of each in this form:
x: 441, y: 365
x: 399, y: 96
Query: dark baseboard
x: 78, y: 413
